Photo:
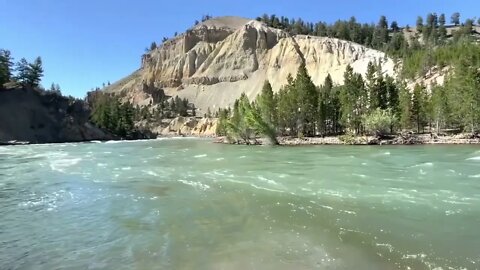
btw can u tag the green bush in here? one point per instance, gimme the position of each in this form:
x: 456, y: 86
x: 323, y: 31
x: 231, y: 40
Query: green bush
x: 379, y: 122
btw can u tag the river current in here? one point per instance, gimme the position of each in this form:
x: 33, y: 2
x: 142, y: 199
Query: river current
x: 194, y: 204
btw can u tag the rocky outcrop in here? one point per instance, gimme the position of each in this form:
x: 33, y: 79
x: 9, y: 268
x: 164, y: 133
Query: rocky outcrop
x: 188, y: 126
x: 214, y: 62
x: 42, y: 117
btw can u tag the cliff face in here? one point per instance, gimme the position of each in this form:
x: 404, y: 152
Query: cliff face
x: 214, y: 62
x: 36, y: 117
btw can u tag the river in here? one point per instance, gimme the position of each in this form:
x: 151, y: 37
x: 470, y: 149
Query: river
x: 194, y: 204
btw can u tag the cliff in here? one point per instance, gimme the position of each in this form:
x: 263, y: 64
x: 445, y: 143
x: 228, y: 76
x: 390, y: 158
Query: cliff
x: 42, y: 117
x: 214, y: 62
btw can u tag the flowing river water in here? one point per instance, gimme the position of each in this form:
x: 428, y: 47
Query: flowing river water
x: 193, y: 204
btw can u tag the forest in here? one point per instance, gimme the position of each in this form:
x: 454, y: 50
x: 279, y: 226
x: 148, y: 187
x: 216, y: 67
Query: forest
x: 373, y: 104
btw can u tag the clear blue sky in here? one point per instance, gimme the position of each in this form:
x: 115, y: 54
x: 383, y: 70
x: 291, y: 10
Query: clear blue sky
x: 86, y: 42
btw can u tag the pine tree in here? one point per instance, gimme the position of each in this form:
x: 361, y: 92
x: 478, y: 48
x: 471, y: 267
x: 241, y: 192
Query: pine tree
x: 307, y: 102
x: 35, y: 73
x: 419, y: 24
x: 391, y: 90
x: 455, y: 18
x: 353, y: 100
x: 23, y: 69
x: 464, y: 87
x: 380, y: 35
x: 6, y: 65
x: 325, y: 106
x: 370, y: 85
x: 153, y: 46
x: 287, y: 107
x: 405, y: 106
x: 442, y: 31
x: 440, y: 107
x: 419, y: 106
x: 267, y: 104
x: 394, y: 26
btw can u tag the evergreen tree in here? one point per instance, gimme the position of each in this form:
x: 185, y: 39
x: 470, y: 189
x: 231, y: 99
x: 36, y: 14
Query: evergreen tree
x: 392, y: 92
x: 222, y: 122
x: 380, y: 35
x: 173, y: 107
x: 442, y: 31
x: 370, y: 85
x: 419, y: 107
x: 6, y: 65
x: 307, y: 102
x: 287, y: 108
x: 35, y: 72
x: 464, y: 87
x: 398, y: 46
x: 405, y: 106
x: 440, y: 107
x: 153, y: 46
x: 267, y: 104
x: 375, y: 87
x: 326, y: 109
x: 353, y: 100
x: 394, y: 26
x: 419, y: 24
x: 455, y: 18
x: 55, y: 88
x: 23, y: 72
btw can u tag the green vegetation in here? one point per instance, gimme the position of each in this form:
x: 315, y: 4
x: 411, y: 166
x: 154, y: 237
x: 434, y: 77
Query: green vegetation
x: 245, y: 122
x: 110, y: 114
x: 22, y: 72
x: 6, y: 65
x: 379, y: 122
x: 378, y: 105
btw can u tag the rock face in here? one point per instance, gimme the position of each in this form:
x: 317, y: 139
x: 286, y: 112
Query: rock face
x: 189, y: 126
x: 214, y: 62
x: 39, y: 117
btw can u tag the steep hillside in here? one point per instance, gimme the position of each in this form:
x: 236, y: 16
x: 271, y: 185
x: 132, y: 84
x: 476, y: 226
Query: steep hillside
x: 214, y: 62
x: 40, y: 117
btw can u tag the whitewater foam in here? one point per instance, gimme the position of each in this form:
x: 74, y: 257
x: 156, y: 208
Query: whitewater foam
x: 152, y: 173
x: 62, y: 164
x: 263, y: 179
x: 195, y: 184
x: 474, y: 158
x: 425, y: 164
x: 200, y: 156
x: 267, y: 189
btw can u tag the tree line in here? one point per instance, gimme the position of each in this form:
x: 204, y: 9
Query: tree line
x: 117, y: 116
x: 22, y: 72
x: 375, y: 105
x: 381, y: 36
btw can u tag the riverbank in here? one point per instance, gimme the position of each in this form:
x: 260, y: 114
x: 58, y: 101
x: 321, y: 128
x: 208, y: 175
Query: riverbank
x: 402, y: 139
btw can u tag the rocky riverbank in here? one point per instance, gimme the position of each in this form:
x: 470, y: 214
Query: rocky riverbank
x: 401, y: 139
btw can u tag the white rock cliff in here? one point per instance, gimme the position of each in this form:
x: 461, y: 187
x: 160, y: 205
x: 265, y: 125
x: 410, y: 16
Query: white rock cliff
x: 214, y: 62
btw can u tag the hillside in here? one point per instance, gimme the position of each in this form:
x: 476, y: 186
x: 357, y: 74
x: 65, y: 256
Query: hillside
x: 41, y: 117
x: 214, y: 62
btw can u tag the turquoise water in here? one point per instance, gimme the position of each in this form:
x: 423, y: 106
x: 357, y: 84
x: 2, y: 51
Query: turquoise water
x: 193, y: 204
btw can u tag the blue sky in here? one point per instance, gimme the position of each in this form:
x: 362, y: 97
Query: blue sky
x: 86, y: 42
